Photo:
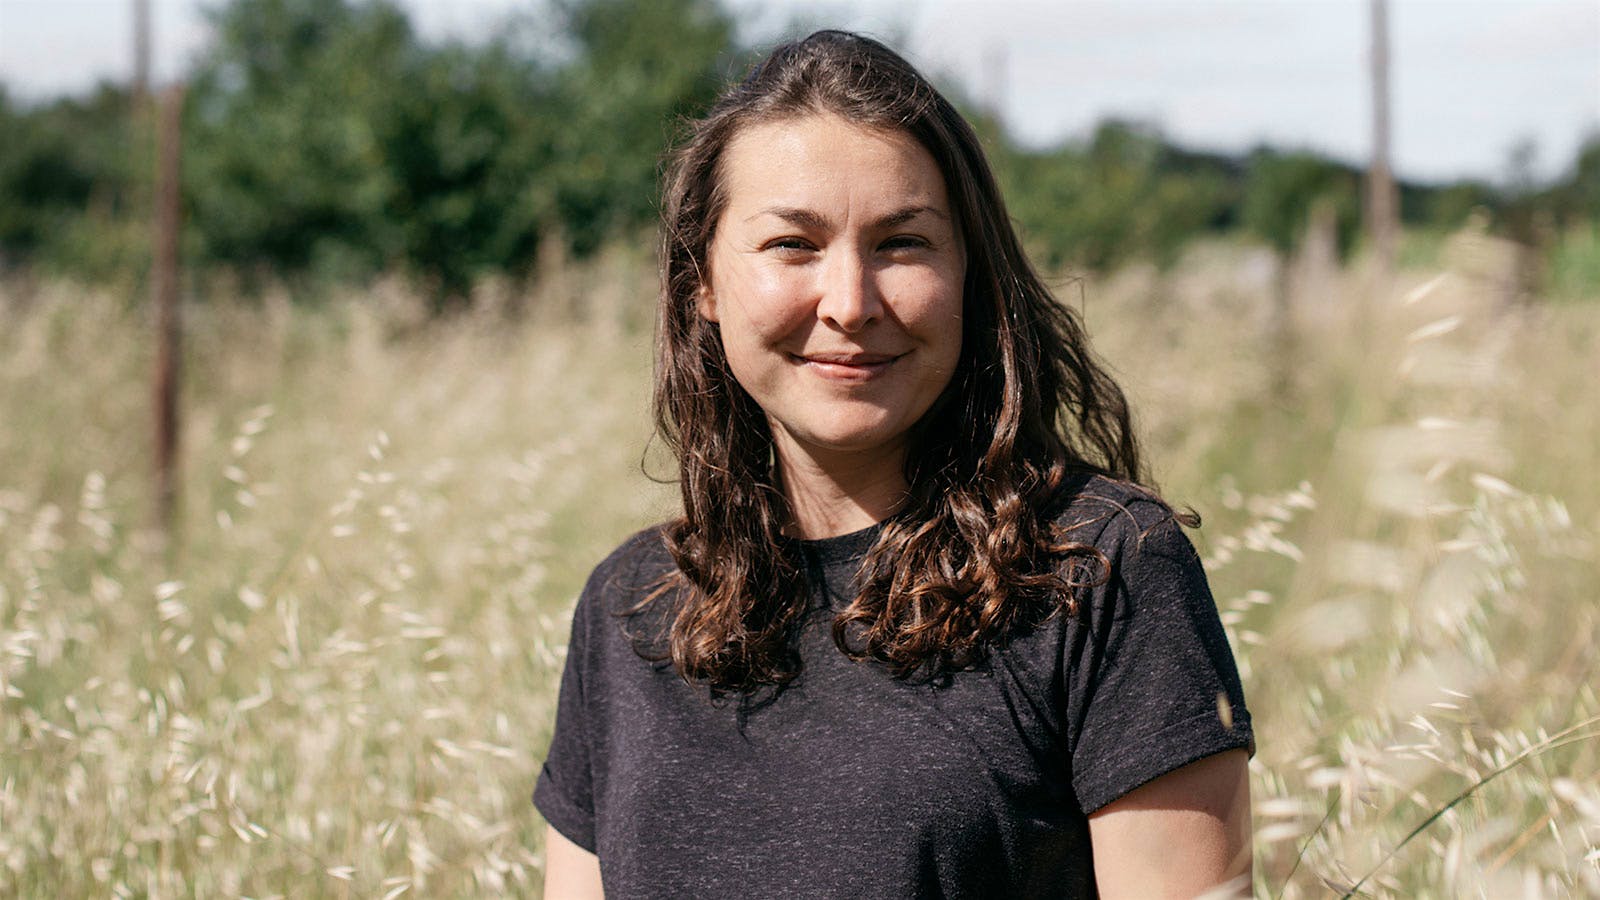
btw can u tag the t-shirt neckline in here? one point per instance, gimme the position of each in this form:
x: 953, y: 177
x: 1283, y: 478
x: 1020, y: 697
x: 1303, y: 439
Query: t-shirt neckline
x: 849, y: 547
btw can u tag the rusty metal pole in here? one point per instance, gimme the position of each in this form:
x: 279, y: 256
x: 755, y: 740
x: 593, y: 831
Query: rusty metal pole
x: 164, y: 299
x: 1382, y: 202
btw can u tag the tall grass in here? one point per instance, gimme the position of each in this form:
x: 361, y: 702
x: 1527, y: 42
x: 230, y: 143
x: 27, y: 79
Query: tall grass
x: 339, y: 679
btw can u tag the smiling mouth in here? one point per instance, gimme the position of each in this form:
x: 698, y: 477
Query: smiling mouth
x: 847, y: 366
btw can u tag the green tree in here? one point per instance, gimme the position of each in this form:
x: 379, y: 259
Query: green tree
x: 325, y: 138
x: 1127, y: 194
x: 468, y: 148
x: 637, y: 67
x: 1447, y: 208
x: 1576, y: 197
x: 68, y: 180
x: 1282, y: 189
x: 284, y: 165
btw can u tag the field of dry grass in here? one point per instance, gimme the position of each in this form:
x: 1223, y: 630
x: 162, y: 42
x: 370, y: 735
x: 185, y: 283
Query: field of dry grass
x: 340, y: 680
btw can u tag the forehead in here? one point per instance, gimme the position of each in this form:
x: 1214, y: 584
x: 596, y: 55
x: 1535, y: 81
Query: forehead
x: 824, y: 159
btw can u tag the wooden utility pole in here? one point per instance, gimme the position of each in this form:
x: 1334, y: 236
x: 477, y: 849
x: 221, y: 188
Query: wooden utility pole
x: 141, y: 51
x: 995, y: 64
x: 1382, y: 200
x: 164, y: 299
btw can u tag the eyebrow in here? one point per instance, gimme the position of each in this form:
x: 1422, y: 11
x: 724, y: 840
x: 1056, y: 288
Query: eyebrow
x: 806, y: 218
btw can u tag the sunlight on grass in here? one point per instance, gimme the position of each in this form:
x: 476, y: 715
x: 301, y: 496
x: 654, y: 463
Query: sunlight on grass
x: 340, y: 680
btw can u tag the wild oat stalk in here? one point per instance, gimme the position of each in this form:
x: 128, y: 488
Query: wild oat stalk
x: 344, y: 686
x: 1570, y: 735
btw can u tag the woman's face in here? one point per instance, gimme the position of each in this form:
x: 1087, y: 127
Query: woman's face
x: 836, y: 274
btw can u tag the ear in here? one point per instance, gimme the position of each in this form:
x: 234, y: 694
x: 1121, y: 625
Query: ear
x: 706, y: 303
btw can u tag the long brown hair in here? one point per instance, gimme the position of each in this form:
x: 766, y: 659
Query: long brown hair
x: 972, y: 553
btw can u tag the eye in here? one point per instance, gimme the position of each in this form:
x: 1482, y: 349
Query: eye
x: 905, y: 242
x: 788, y: 245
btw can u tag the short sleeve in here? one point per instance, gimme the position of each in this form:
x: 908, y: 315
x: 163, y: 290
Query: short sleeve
x: 564, y: 794
x: 1152, y: 681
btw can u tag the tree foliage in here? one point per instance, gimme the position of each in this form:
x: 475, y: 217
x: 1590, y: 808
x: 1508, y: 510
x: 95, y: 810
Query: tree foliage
x: 1575, y: 199
x: 1282, y: 190
x: 288, y: 113
x: 67, y: 179
x: 327, y: 138
x: 324, y: 139
x: 639, y: 68
x: 1126, y: 194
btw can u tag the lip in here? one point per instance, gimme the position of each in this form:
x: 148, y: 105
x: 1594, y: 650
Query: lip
x: 847, y: 366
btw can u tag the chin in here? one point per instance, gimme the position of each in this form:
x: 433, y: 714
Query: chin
x: 840, y: 437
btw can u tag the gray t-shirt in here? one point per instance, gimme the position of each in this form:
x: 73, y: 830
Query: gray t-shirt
x: 850, y: 783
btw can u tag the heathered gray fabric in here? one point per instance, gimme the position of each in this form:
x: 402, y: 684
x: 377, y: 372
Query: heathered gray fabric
x: 851, y: 784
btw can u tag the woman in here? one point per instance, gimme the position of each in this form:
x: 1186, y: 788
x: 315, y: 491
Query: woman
x: 918, y: 631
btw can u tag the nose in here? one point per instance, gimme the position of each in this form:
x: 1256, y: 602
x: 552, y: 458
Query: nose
x: 850, y: 298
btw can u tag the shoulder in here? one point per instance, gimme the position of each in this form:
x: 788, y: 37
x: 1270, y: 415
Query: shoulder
x: 1130, y: 552
x: 638, y: 566
x: 1147, y: 664
x: 643, y: 551
x: 1112, y: 515
x: 613, y: 610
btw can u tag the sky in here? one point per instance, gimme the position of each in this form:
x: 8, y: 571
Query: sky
x: 1472, y: 79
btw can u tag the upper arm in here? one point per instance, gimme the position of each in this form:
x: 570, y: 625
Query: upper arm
x: 570, y: 872
x: 564, y: 793
x: 1184, y: 834
x: 1150, y: 681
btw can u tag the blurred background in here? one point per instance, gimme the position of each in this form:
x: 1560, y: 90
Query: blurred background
x: 324, y: 372
x: 445, y: 141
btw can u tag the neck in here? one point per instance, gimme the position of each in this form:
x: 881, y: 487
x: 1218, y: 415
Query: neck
x: 832, y: 493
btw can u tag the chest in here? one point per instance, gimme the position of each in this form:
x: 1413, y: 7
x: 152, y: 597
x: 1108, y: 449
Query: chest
x: 846, y: 766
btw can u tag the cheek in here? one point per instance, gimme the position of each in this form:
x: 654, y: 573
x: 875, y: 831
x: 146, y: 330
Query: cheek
x: 759, y: 308
x: 931, y: 309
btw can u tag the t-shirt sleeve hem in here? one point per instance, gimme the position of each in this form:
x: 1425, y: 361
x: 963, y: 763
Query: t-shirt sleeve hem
x: 1182, y: 743
x: 574, y: 823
